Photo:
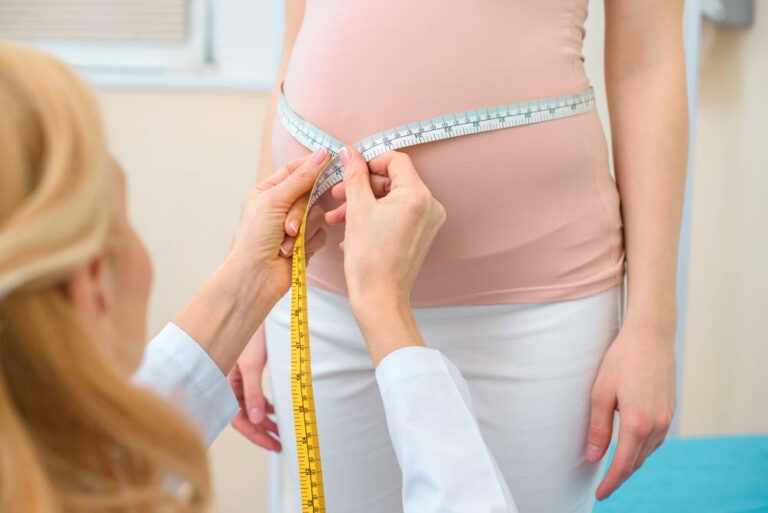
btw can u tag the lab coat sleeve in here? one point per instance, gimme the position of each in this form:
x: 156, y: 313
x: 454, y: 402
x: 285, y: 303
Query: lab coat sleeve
x: 178, y: 369
x: 445, y: 463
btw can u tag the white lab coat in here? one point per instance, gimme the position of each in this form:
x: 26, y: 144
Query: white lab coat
x: 446, y: 466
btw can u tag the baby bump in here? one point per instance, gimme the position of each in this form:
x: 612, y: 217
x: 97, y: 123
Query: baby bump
x: 530, y: 209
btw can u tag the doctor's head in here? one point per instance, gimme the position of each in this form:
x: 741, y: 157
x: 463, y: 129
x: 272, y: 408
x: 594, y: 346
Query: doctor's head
x: 74, y: 287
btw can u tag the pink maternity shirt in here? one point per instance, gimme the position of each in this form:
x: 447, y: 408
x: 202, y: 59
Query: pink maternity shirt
x: 533, y: 213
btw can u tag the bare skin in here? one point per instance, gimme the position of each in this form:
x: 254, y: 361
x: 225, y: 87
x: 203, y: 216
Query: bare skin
x: 645, y: 78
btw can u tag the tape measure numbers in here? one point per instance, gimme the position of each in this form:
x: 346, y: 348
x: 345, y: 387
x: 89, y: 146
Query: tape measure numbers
x: 434, y: 129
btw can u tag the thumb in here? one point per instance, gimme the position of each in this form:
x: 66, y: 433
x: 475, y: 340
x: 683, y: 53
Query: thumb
x: 357, y: 184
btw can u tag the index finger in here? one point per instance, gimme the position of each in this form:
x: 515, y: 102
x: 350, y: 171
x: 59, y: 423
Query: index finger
x: 280, y: 175
x: 302, y: 179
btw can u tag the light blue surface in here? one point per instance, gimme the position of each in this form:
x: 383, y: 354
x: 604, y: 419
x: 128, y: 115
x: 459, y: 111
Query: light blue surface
x: 698, y: 475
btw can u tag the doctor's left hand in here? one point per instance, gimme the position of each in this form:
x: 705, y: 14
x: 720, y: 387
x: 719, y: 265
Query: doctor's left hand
x: 270, y: 220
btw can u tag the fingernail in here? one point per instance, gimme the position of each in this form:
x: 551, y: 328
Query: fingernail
x: 286, y: 247
x: 344, y: 155
x: 255, y: 415
x: 318, y: 156
x: 593, y: 452
x: 294, y: 226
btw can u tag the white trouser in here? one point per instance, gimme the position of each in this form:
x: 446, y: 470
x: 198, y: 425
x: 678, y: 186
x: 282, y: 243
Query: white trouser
x: 530, y: 369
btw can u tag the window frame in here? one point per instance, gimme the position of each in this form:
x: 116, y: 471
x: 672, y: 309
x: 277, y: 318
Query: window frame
x: 233, y: 45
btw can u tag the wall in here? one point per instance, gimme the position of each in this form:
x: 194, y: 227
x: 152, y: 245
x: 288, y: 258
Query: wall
x: 191, y: 157
x: 725, y: 383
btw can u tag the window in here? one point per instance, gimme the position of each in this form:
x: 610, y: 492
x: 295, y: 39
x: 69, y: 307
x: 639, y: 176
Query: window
x: 231, y: 44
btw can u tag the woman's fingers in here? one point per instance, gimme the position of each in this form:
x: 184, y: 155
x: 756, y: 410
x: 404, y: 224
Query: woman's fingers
x: 379, y: 184
x: 398, y: 167
x: 315, y: 243
x: 658, y: 433
x: 286, y: 248
x: 315, y: 220
x: 295, y: 215
x: 314, y: 227
x: 264, y: 434
x: 603, y: 404
x: 256, y: 434
x: 300, y: 181
x: 338, y: 215
x: 634, y: 429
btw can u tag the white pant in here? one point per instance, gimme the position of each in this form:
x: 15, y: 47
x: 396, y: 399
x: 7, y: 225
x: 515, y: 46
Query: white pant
x: 530, y: 368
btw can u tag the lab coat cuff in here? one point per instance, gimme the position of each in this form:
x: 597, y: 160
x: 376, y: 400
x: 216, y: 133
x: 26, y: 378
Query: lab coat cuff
x: 206, y: 395
x: 415, y: 362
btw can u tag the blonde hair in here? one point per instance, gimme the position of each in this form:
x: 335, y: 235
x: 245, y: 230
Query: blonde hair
x: 74, y: 436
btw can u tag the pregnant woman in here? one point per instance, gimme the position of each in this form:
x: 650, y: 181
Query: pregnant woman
x: 523, y: 288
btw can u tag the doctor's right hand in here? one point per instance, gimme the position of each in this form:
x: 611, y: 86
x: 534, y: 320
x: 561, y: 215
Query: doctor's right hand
x: 385, y: 242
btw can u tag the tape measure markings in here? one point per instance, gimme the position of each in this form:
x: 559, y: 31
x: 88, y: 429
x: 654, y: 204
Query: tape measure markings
x: 438, y: 128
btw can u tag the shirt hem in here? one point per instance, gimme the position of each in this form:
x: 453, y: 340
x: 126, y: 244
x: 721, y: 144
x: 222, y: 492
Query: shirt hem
x: 542, y: 294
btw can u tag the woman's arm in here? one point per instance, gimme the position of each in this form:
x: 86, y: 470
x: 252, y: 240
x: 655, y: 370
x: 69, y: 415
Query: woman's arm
x: 422, y: 392
x: 645, y: 79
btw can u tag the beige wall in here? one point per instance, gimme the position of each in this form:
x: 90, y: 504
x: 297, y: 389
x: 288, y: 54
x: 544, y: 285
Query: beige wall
x: 191, y: 157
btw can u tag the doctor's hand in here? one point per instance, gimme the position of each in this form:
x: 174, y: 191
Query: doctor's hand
x: 270, y: 221
x: 385, y: 242
x: 226, y: 311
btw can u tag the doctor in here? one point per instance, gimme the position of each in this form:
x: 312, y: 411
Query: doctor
x: 75, y: 435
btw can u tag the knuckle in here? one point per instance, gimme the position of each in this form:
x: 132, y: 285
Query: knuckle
x: 402, y: 159
x: 267, y: 196
x: 639, y: 424
x: 664, y: 421
x: 351, y: 172
x: 305, y: 173
x: 421, y: 197
x: 439, y: 211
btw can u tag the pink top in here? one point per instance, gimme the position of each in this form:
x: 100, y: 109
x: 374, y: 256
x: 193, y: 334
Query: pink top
x: 533, y: 213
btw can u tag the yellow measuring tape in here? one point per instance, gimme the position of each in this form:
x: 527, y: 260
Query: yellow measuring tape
x: 428, y: 130
x: 304, y: 417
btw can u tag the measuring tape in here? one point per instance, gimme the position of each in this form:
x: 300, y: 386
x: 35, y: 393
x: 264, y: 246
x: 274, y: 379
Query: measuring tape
x: 411, y: 134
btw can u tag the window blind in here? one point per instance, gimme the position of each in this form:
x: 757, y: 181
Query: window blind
x: 100, y: 21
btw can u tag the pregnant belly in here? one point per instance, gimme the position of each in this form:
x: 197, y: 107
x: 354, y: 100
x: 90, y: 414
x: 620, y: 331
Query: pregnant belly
x: 534, y: 204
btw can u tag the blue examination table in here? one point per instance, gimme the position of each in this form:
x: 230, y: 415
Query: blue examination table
x: 698, y: 475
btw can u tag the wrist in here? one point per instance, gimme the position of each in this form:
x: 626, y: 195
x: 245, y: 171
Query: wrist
x: 387, y: 324
x: 661, y: 322
x: 247, y: 283
x: 226, y: 311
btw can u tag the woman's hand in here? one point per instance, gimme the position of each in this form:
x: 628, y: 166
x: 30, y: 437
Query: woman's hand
x: 637, y: 378
x: 385, y: 242
x: 252, y: 421
x: 270, y: 221
x: 224, y: 314
x: 386, y: 239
